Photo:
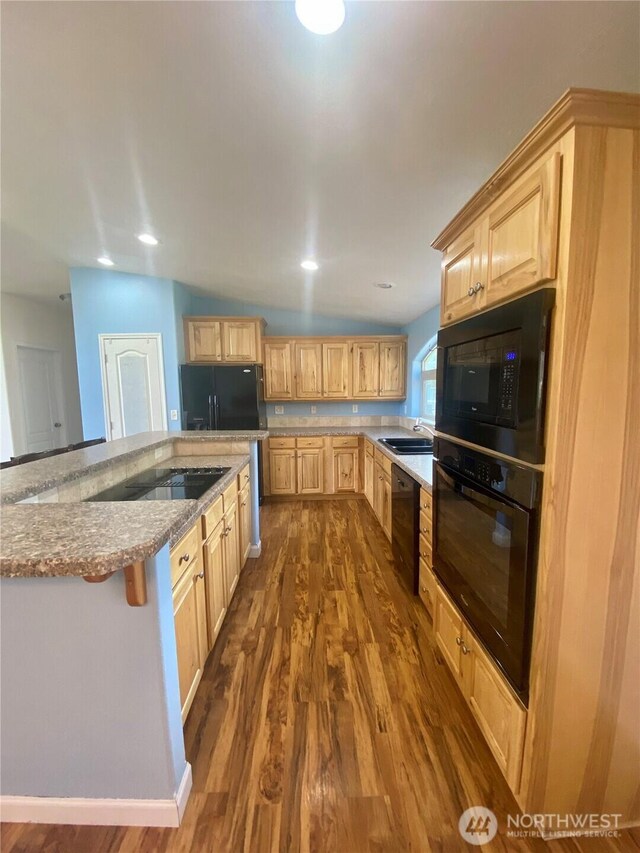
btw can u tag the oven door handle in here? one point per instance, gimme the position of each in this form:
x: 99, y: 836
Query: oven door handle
x: 466, y: 486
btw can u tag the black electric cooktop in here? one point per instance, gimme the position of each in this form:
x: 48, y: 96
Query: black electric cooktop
x: 163, y: 484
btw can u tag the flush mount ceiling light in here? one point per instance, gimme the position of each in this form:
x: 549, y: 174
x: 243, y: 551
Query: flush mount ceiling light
x: 322, y: 17
x: 106, y: 262
x: 309, y: 265
x: 383, y: 285
x: 148, y: 239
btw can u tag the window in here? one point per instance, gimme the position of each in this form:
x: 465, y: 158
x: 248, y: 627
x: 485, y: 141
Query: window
x: 428, y: 386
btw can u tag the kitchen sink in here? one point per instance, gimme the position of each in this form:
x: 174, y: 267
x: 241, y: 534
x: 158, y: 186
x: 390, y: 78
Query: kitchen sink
x: 408, y: 446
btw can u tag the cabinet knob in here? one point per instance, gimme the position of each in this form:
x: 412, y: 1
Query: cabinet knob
x: 464, y: 649
x: 184, y: 559
x: 471, y: 291
x: 478, y: 286
x: 200, y: 574
x: 424, y: 589
x: 459, y: 641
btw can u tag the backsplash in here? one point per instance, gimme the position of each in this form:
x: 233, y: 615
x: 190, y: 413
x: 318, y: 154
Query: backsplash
x: 275, y: 421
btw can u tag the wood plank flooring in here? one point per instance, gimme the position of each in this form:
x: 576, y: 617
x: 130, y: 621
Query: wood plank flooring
x: 326, y: 719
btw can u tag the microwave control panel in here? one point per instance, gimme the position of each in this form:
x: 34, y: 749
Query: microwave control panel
x: 508, y: 380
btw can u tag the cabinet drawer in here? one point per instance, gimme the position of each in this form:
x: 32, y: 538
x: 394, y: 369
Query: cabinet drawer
x: 368, y: 447
x: 426, y: 527
x: 243, y: 477
x: 184, y: 553
x: 229, y: 496
x: 425, y: 551
x: 426, y: 501
x: 212, y: 517
x: 282, y: 443
x: 427, y: 587
x: 383, y: 461
x: 345, y: 441
x: 312, y: 442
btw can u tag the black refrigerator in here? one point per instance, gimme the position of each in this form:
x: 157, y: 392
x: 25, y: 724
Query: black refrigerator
x: 225, y: 396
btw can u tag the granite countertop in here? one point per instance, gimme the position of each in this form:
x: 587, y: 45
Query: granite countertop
x: 420, y: 467
x: 96, y: 537
x: 22, y: 481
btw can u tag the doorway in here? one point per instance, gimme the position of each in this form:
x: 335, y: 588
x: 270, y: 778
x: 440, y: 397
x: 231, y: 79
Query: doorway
x: 40, y: 374
x: 132, y: 384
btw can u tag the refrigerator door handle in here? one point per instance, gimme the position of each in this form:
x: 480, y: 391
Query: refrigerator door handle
x: 215, y: 409
x: 210, y: 424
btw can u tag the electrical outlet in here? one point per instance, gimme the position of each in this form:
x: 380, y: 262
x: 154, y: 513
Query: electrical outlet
x: 404, y: 409
x: 354, y: 408
x: 174, y: 414
x: 314, y: 409
x: 279, y: 410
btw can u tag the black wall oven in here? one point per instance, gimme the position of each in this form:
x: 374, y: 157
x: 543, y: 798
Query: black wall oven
x: 485, y: 544
x: 491, y: 377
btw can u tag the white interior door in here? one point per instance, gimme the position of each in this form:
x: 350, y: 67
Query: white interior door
x: 42, y: 400
x: 133, y: 384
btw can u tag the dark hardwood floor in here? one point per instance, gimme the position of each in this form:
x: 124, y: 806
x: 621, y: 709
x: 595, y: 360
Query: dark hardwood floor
x: 326, y: 719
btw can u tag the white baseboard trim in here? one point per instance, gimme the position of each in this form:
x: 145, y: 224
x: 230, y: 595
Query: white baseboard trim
x: 98, y: 812
x: 255, y: 550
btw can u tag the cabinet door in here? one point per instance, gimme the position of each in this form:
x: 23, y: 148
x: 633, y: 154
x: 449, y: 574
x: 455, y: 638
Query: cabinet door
x: 368, y: 477
x: 427, y: 587
x: 231, y: 553
x: 463, y: 275
x: 240, y: 341
x: 203, y: 340
x: 385, y: 515
x: 365, y: 369
x: 278, y: 375
x: 378, y: 490
x: 448, y: 629
x: 215, y: 582
x: 282, y: 472
x: 523, y: 234
x: 335, y: 369
x: 345, y: 470
x: 188, y: 614
x: 244, y: 523
x: 308, y: 370
x: 310, y: 471
x: 500, y: 716
x: 392, y: 369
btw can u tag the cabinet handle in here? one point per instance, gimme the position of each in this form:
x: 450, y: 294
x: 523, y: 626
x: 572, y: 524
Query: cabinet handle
x: 200, y: 574
x: 425, y: 529
x: 246, y: 476
x: 184, y: 559
x: 244, y: 503
x: 478, y: 286
x: 459, y: 641
x: 471, y: 291
x: 424, y: 589
x: 464, y: 649
x: 227, y: 530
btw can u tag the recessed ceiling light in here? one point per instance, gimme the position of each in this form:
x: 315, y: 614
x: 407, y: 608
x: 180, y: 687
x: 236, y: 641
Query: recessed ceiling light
x: 322, y: 17
x: 383, y: 285
x: 148, y: 239
x: 309, y: 265
x: 106, y: 262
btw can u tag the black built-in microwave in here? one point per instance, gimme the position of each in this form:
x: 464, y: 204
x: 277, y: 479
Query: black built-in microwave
x: 491, y: 377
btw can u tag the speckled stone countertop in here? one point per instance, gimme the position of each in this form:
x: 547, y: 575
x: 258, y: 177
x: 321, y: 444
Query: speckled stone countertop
x: 419, y: 467
x: 35, y: 477
x: 98, y: 537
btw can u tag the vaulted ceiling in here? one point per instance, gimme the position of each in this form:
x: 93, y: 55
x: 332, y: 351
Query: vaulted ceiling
x: 246, y: 143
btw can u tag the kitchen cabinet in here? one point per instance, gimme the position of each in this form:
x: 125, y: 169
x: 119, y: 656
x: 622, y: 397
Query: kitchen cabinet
x: 448, y: 633
x: 392, y: 369
x: 368, y: 472
x: 231, y: 340
x: 382, y: 497
x: 215, y: 582
x: 310, y: 465
x: 509, y: 249
x: 335, y: 369
x: 244, y: 522
x: 231, y: 550
x: 345, y: 470
x: 308, y: 373
x: 278, y: 373
x: 282, y: 471
x: 189, y: 612
x: 365, y: 364
x: 203, y: 339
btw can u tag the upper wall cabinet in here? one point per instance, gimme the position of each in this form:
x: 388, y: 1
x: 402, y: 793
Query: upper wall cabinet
x: 336, y: 368
x: 509, y: 249
x: 231, y: 340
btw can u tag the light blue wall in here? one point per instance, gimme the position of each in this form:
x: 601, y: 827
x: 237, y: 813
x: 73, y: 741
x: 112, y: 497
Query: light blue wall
x: 107, y: 302
x: 420, y: 332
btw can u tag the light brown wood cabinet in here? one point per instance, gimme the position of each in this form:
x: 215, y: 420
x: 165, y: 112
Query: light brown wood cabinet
x: 345, y: 470
x: 232, y: 340
x: 368, y: 472
x: 427, y: 578
x: 216, y: 583
x: 244, y: 522
x: 310, y: 464
x: 231, y: 549
x: 308, y: 376
x: 335, y: 369
x: 365, y: 366
x: 510, y: 249
x: 189, y: 611
x: 278, y: 372
x: 382, y: 496
x: 282, y: 471
x: 498, y: 712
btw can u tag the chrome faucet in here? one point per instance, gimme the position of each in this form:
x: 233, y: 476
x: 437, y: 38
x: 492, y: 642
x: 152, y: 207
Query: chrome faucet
x: 420, y: 424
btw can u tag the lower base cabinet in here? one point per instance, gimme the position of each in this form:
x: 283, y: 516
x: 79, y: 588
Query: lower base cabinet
x: 190, y: 617
x: 497, y: 710
x: 244, y: 523
x: 216, y: 585
x: 231, y: 552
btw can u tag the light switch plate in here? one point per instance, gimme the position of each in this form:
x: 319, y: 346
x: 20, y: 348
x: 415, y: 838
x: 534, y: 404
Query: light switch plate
x: 174, y: 414
x: 279, y: 410
x: 354, y: 408
x: 314, y: 409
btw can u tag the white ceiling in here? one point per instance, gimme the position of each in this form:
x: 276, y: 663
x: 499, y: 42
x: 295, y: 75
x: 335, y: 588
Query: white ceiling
x: 245, y: 142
